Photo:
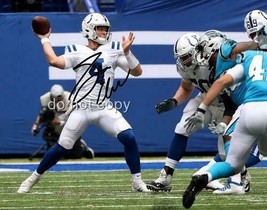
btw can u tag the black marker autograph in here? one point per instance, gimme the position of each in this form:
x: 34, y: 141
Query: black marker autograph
x: 95, y: 70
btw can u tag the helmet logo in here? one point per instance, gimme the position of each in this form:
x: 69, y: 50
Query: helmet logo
x: 190, y: 41
x: 90, y: 19
x: 251, y: 23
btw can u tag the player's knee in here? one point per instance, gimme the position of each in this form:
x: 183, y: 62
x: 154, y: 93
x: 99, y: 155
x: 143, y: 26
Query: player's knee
x: 60, y: 149
x: 127, y: 137
x: 66, y: 143
x: 180, y: 129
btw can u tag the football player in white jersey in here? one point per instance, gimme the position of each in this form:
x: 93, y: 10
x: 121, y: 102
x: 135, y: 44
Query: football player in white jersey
x: 193, y: 76
x: 95, y: 66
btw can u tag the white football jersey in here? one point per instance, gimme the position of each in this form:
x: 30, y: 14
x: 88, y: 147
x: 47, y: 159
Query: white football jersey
x: 95, y: 70
x: 201, y: 77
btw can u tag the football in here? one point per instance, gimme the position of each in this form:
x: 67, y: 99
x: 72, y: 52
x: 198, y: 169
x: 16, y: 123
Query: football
x: 40, y: 25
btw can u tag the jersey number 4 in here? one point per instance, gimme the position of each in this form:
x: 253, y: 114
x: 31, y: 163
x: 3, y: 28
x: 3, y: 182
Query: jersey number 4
x: 98, y: 71
x: 256, y: 72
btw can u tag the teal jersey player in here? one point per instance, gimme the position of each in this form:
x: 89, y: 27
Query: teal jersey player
x: 250, y: 78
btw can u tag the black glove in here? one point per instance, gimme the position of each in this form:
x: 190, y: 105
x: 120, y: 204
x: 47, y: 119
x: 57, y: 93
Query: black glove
x: 166, y: 105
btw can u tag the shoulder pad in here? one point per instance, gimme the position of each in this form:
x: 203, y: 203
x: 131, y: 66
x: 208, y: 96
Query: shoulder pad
x: 227, y: 48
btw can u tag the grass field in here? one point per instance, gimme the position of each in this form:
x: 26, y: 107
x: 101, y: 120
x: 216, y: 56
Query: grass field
x: 112, y: 190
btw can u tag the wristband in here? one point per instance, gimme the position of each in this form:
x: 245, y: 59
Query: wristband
x: 132, y: 60
x: 202, y: 106
x: 44, y: 40
x: 223, y: 125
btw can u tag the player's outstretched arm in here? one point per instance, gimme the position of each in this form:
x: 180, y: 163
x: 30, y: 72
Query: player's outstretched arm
x: 243, y: 46
x: 216, y: 88
x: 183, y: 93
x: 134, y: 65
x: 51, y: 57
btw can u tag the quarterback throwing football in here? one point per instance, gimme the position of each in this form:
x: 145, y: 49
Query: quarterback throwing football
x: 94, y: 66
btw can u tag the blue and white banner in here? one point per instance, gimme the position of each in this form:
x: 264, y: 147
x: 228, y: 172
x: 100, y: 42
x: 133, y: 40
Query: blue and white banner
x: 149, y: 38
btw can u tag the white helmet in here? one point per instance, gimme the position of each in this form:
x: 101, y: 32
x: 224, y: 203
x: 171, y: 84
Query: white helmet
x: 89, y: 24
x: 56, y: 90
x: 255, y: 24
x: 184, y: 50
x: 209, y: 43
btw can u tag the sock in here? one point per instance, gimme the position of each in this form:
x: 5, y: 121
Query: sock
x: 205, y: 168
x: 136, y: 177
x: 132, y: 157
x: 236, y: 178
x: 36, y: 175
x: 220, y: 170
x: 51, y: 157
x: 176, y: 152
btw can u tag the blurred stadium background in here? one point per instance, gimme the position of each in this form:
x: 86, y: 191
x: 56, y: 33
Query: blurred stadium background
x: 156, y: 24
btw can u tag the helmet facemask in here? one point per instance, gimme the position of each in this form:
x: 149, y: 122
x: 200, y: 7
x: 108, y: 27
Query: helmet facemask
x: 260, y: 37
x: 209, y: 43
x: 184, y: 51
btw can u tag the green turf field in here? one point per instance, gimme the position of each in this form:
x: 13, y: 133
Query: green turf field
x: 112, y: 190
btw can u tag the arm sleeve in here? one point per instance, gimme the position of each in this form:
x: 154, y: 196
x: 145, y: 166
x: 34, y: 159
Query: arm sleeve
x: 237, y: 72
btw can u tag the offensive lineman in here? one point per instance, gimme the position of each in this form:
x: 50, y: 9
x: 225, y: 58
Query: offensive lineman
x: 94, y: 65
x: 192, y: 75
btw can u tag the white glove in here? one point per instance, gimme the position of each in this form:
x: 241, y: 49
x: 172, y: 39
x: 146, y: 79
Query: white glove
x: 216, y: 128
x: 195, y: 122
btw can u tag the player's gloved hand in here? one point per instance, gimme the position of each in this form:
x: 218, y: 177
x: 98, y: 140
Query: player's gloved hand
x: 216, y: 128
x: 195, y: 122
x: 166, y: 105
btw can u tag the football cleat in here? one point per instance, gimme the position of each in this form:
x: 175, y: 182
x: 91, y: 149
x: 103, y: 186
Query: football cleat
x: 27, y: 185
x: 163, y: 183
x: 246, y: 178
x: 140, y: 186
x: 230, y: 188
x: 214, y: 185
x: 197, y: 183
